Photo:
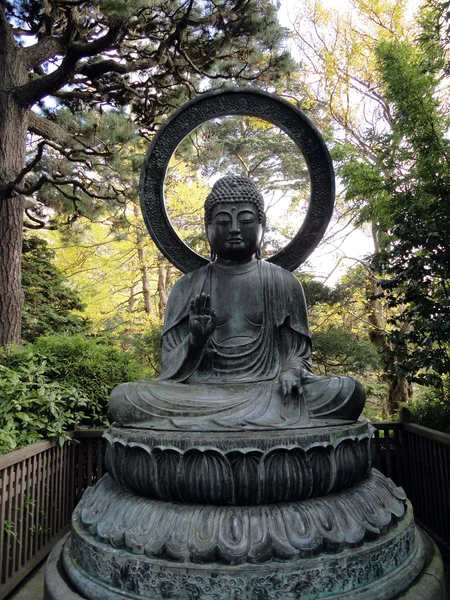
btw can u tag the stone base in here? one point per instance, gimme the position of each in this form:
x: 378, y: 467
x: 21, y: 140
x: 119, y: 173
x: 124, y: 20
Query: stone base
x: 427, y: 585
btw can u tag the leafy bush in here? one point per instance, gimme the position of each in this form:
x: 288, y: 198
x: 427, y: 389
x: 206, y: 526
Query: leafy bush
x: 336, y: 351
x: 57, y: 382
x: 147, y: 348
x: 431, y: 407
x: 33, y: 408
x: 376, y: 395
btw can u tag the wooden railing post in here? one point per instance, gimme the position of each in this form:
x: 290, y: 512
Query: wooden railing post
x: 405, y: 415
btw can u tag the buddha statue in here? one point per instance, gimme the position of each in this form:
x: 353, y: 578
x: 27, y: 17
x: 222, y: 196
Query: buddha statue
x: 236, y: 349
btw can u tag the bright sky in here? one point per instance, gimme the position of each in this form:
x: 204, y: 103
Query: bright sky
x: 330, y: 261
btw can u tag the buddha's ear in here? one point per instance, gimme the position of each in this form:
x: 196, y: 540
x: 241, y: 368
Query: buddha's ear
x: 264, y: 222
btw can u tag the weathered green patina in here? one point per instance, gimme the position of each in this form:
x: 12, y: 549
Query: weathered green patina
x: 239, y: 474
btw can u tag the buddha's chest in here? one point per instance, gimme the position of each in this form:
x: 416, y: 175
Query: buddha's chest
x: 237, y: 300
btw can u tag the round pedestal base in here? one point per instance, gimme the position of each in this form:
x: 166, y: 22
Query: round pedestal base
x: 360, y: 543
x: 428, y: 584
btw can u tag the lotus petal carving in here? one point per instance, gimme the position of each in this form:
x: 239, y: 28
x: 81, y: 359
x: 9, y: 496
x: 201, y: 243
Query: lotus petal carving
x: 238, y: 534
x: 240, y: 476
x: 205, y: 474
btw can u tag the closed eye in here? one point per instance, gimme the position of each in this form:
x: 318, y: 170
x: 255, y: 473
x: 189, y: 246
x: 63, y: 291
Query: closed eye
x: 246, y: 217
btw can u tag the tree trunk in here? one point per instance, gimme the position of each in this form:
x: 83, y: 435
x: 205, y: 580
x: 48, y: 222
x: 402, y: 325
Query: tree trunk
x: 11, y: 293
x: 132, y: 299
x: 163, y: 292
x: 13, y: 132
x: 400, y: 392
x: 140, y: 244
x: 145, y: 282
x: 400, y: 389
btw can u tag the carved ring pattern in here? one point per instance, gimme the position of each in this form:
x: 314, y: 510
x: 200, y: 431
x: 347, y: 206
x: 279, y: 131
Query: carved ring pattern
x: 208, y: 475
x: 377, y: 572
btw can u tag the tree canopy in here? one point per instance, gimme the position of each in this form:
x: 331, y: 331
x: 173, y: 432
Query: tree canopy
x: 394, y: 164
x: 415, y: 257
x: 63, y: 58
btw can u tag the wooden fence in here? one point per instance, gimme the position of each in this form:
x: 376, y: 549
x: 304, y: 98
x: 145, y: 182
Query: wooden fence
x: 39, y: 488
x: 418, y: 459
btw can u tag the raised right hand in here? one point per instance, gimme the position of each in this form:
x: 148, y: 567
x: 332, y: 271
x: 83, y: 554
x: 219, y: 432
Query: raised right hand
x: 202, y: 318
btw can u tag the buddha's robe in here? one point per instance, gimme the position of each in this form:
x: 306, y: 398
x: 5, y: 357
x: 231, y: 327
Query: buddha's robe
x: 233, y: 380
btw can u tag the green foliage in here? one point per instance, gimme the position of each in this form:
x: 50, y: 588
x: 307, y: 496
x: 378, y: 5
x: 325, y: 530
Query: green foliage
x: 49, y: 300
x: 32, y: 407
x: 415, y: 258
x: 431, y: 407
x: 146, y: 347
x: 340, y: 343
x: 376, y: 394
x: 337, y: 351
x: 82, y: 372
x: 317, y: 293
x: 401, y: 187
x: 250, y: 147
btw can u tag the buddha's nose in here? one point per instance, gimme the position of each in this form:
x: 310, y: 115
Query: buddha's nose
x: 235, y: 225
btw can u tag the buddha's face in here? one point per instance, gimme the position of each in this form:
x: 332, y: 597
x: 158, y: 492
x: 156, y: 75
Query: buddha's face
x: 235, y: 231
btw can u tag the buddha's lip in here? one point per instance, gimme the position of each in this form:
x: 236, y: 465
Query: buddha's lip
x: 235, y: 240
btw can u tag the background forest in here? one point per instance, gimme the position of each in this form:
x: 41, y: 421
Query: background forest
x: 83, y: 289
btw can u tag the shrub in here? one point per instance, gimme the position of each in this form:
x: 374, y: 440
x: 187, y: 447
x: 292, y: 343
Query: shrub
x: 51, y: 305
x: 57, y: 382
x: 33, y: 408
x: 146, y: 347
x: 431, y: 407
x: 337, y: 351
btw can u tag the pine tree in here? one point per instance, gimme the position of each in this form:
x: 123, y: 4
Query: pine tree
x: 51, y: 305
x: 152, y: 55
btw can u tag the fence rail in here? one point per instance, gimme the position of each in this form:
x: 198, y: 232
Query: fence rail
x: 40, y: 486
x: 418, y: 459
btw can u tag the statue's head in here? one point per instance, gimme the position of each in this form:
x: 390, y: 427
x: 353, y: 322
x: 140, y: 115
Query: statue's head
x: 234, y: 218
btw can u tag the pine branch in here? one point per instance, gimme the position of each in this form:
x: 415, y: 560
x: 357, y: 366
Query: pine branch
x: 38, y: 53
x: 30, y: 166
x: 39, y: 223
x: 49, y: 130
x: 58, y: 184
x: 35, y: 90
x: 93, y: 70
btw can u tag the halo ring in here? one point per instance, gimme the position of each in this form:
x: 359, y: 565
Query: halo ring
x: 237, y: 101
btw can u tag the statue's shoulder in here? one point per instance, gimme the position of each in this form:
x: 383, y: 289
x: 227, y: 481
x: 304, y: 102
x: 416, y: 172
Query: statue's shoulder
x: 284, y: 276
x: 191, y: 279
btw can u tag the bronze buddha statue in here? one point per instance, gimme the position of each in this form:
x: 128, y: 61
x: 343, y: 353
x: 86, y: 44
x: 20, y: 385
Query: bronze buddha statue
x: 236, y: 349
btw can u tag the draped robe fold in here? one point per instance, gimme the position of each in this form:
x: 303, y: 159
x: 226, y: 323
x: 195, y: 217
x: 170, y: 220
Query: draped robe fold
x: 236, y: 386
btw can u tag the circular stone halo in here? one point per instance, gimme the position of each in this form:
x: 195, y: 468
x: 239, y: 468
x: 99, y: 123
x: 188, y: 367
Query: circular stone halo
x: 226, y: 102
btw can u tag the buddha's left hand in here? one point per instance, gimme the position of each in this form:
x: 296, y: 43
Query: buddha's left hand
x: 291, y: 380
